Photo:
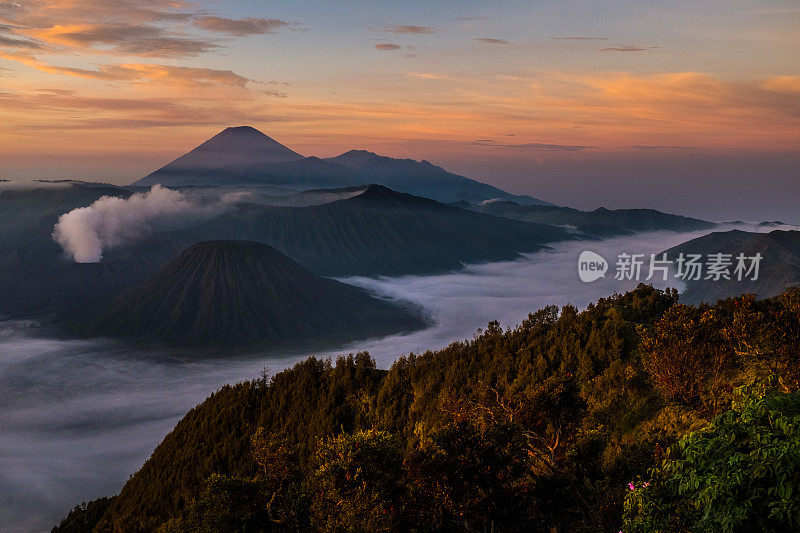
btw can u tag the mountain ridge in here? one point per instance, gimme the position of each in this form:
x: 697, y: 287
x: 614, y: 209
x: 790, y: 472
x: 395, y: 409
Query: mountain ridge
x: 243, y: 156
x: 378, y: 232
x: 600, y: 222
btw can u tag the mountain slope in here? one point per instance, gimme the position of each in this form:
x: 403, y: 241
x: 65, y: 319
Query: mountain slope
x: 601, y: 222
x: 486, y: 411
x: 244, y: 156
x: 378, y: 232
x: 422, y: 179
x: 237, y: 149
x: 779, y: 267
x: 238, y: 292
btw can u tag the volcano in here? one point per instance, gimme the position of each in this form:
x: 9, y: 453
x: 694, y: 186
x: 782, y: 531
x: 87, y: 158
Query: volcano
x: 233, y: 293
x: 235, y: 150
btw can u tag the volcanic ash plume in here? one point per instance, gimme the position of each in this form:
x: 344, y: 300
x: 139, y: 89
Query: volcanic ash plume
x: 84, y: 233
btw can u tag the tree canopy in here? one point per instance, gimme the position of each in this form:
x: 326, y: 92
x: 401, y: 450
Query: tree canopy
x: 545, y: 426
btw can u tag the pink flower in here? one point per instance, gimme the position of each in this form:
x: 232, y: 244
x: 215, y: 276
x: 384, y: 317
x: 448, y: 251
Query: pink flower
x: 630, y: 486
x: 646, y: 483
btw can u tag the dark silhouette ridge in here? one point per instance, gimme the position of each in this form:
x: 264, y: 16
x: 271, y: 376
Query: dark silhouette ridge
x: 601, y: 222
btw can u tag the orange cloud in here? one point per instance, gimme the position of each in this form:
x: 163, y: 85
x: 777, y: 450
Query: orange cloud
x: 138, y: 72
x: 123, y: 27
x: 556, y: 113
x: 124, y: 39
x: 14, y: 42
x: 783, y: 84
x: 687, y: 96
x: 44, y: 13
x: 427, y: 75
x: 609, y: 111
x: 690, y: 107
x: 187, y: 75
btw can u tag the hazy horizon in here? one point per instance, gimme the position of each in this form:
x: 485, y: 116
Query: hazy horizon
x: 732, y: 187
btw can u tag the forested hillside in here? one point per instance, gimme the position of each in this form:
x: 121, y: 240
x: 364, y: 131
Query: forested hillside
x: 554, y: 425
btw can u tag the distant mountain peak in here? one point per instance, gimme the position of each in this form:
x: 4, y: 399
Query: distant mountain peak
x: 250, y: 134
x: 241, y: 130
x: 234, y: 147
x: 779, y: 263
x: 362, y: 153
x: 355, y: 158
x: 247, y: 138
x: 375, y: 191
x: 367, y: 161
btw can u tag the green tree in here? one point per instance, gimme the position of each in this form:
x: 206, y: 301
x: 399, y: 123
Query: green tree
x: 741, y: 473
x: 688, y: 357
x: 766, y: 335
x: 280, y: 476
x: 83, y: 517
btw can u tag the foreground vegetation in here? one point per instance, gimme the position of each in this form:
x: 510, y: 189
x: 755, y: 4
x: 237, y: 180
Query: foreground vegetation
x: 639, y: 413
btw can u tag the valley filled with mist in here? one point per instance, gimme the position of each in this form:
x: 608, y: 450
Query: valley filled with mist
x: 80, y: 416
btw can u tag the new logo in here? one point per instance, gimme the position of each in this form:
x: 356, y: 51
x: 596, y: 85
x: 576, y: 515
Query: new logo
x: 591, y: 266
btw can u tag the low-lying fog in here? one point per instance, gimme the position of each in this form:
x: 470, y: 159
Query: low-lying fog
x: 78, y: 417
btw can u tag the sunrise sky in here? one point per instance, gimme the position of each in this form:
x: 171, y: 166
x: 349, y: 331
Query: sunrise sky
x: 692, y: 106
